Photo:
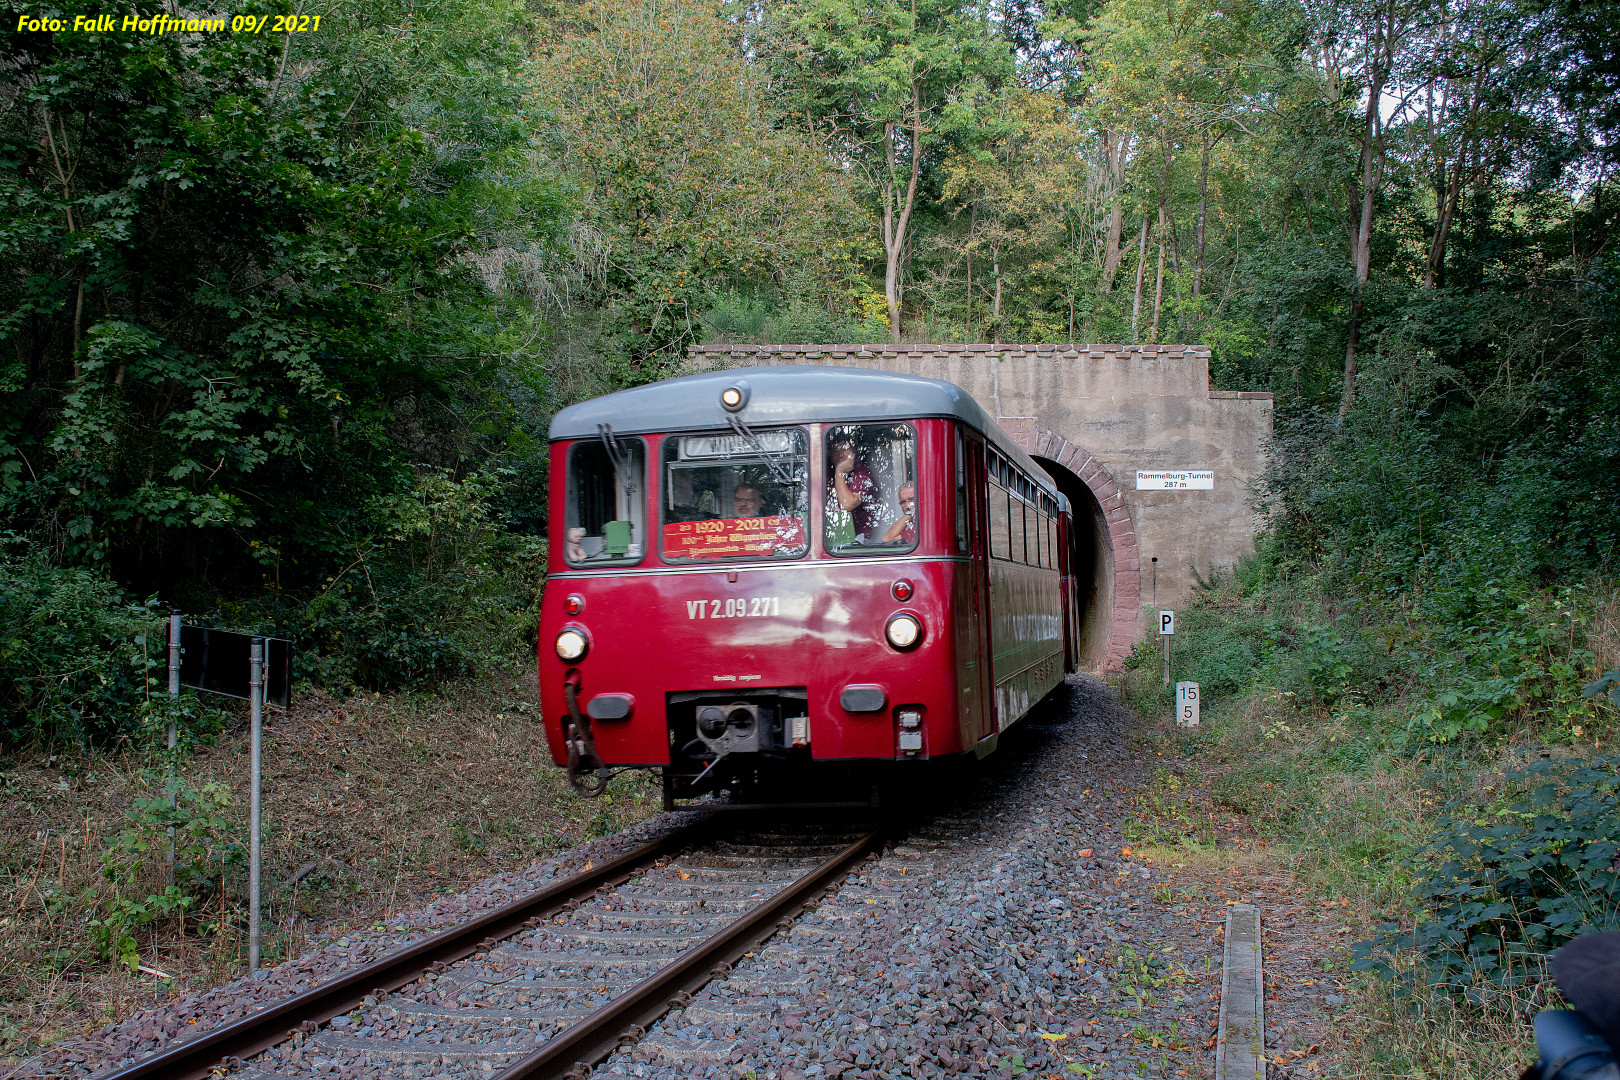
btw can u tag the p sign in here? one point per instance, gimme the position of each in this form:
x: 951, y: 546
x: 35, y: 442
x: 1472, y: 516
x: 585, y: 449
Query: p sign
x: 1167, y: 623
x: 1186, y: 704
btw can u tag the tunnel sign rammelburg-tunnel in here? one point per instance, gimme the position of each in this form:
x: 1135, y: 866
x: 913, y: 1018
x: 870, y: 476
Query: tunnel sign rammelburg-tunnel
x: 1176, y: 480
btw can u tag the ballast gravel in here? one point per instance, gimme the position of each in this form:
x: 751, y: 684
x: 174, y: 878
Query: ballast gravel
x: 1010, y: 932
x: 1012, y: 935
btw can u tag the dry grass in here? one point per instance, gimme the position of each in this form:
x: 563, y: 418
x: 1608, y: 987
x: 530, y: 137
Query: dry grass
x: 1342, y: 809
x: 393, y: 799
x: 1346, y: 796
x: 1430, y: 1035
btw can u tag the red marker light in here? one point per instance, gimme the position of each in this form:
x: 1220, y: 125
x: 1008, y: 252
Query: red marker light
x: 902, y: 590
x: 574, y: 604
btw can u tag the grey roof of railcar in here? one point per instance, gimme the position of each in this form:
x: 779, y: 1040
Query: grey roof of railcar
x: 787, y: 394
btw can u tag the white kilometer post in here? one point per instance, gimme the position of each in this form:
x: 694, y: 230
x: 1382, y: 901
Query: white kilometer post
x: 1167, y: 630
x: 1186, y: 704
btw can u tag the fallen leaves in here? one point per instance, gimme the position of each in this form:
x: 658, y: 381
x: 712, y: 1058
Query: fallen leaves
x: 1084, y: 853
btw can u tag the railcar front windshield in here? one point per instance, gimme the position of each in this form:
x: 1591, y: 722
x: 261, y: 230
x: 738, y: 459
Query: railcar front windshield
x: 871, y: 489
x: 604, y: 520
x: 736, y: 496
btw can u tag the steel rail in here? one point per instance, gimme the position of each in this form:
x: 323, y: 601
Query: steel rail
x: 573, y: 1051
x: 242, y: 1038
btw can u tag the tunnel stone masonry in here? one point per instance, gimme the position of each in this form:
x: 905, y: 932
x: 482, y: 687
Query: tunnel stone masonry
x: 1095, y: 416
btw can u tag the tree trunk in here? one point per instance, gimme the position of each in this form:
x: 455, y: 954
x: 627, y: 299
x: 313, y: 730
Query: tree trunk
x: 1158, y: 282
x: 1141, y: 263
x: 995, y: 309
x: 1446, y: 208
x: 1174, y: 233
x: 1450, y: 192
x: 1070, y: 217
x: 973, y: 217
x: 1370, y: 173
x: 897, y: 219
x: 1114, y: 152
x: 1203, y: 207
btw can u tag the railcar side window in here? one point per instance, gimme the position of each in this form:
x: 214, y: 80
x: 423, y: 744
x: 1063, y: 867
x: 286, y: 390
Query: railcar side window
x: 998, y: 522
x: 605, y: 523
x: 961, y: 494
x: 1017, y: 519
x: 735, y: 496
x: 871, y: 489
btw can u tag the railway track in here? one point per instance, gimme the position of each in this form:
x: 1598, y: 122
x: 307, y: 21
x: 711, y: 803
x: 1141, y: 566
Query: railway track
x: 552, y: 983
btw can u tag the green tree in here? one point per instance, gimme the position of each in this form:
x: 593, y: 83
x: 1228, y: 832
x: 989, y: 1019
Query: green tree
x: 1017, y: 175
x: 238, y: 301
x: 683, y: 172
x: 885, y: 84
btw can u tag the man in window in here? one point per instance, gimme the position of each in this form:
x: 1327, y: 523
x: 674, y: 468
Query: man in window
x: 854, y: 490
x: 904, y: 531
x: 748, y: 502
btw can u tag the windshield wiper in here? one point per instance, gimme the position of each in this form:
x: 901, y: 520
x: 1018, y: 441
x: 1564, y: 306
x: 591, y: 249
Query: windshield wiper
x: 773, y: 461
x: 619, y: 456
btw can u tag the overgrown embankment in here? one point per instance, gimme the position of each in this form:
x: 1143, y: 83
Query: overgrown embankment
x: 1432, y: 759
x: 373, y: 805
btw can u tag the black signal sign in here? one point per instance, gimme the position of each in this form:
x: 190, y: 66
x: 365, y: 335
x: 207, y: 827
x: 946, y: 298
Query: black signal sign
x: 218, y: 661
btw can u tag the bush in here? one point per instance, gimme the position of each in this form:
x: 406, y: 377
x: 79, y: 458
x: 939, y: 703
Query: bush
x: 207, y: 847
x: 433, y: 590
x: 1499, y: 887
x: 77, y: 659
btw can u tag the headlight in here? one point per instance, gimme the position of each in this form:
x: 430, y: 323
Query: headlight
x: 903, y: 631
x: 571, y: 645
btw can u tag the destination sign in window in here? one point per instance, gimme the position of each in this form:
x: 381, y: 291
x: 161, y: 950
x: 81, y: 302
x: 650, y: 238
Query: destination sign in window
x: 733, y: 537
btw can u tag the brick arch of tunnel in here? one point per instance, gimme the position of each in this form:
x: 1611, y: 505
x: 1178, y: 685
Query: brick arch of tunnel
x: 1108, y: 561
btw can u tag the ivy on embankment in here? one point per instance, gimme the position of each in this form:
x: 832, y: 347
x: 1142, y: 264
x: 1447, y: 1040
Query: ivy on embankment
x: 1502, y: 885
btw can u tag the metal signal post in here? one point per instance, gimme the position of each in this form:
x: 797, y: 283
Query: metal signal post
x: 174, y: 734
x: 211, y: 660
x: 256, y: 722
x: 1167, y: 630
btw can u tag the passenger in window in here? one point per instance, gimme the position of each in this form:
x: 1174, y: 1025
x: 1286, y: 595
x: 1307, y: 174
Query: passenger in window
x: 904, y: 530
x: 854, y: 490
x: 748, y: 502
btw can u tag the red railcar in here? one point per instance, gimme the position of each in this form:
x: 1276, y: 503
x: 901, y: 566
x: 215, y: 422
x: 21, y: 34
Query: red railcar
x: 761, y: 571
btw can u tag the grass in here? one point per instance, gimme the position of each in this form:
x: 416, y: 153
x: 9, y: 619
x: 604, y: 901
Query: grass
x: 374, y: 804
x: 1308, y: 732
